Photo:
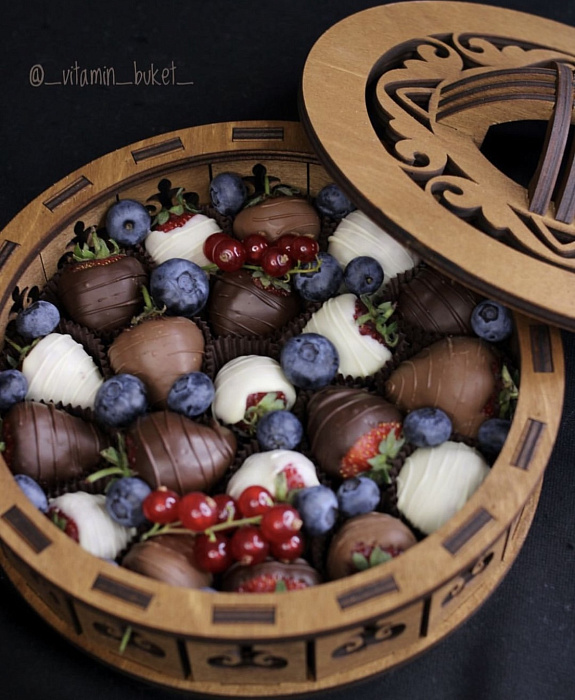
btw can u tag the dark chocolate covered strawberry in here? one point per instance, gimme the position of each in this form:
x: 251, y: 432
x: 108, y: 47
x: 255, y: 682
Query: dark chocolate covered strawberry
x: 275, y: 210
x: 461, y: 375
x: 353, y: 431
x: 366, y: 541
x: 270, y: 577
x: 167, y: 449
x: 48, y: 444
x: 101, y: 289
x: 246, y: 302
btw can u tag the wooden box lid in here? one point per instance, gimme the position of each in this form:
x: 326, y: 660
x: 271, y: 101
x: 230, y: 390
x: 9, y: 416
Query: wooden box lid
x: 398, y: 101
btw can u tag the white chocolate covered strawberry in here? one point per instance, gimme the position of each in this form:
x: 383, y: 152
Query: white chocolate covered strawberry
x: 181, y: 236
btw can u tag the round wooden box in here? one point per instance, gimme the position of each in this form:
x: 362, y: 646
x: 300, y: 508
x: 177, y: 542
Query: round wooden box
x: 260, y: 644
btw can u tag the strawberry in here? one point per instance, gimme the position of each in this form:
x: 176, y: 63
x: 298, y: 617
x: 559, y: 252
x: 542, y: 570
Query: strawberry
x: 257, y: 405
x: 180, y: 230
x: 372, y: 321
x: 457, y: 374
x: 270, y: 576
x: 48, y: 444
x: 367, y: 556
x: 373, y: 451
x: 64, y: 522
x: 101, y: 288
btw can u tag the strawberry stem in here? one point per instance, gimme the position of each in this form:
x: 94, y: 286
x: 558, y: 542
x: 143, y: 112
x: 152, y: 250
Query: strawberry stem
x: 96, y: 250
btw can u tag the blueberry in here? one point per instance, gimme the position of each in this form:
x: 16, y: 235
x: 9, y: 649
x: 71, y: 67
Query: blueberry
x: 13, y: 388
x: 33, y: 491
x: 128, y: 222
x: 318, y: 508
x: 309, y: 361
x: 180, y: 285
x: 124, y: 501
x: 228, y: 193
x: 358, y: 495
x: 321, y: 284
x: 120, y: 400
x: 279, y: 430
x: 492, y: 321
x: 191, y: 394
x: 491, y: 436
x: 39, y: 319
x: 426, y: 427
x: 331, y: 201
x: 363, y: 275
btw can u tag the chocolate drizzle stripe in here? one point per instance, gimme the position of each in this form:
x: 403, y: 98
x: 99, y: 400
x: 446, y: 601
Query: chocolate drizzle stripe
x: 159, y: 149
x: 27, y: 530
x: 541, y: 351
x: 468, y: 530
x: 360, y: 594
x: 59, y: 198
x: 120, y: 590
x: 270, y: 133
x: 6, y: 249
x: 229, y: 615
x: 527, y: 447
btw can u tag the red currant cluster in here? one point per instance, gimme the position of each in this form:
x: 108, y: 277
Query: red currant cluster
x: 226, y: 530
x: 276, y: 259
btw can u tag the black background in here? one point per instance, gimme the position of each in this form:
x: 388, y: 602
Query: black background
x: 244, y: 60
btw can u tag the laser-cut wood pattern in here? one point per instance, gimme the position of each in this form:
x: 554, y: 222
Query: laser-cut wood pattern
x: 233, y: 644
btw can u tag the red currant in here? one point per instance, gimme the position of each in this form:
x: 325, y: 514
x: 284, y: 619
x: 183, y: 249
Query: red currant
x: 304, y: 249
x: 198, y: 511
x: 161, y: 506
x: 280, y: 522
x: 289, y: 549
x: 213, y: 553
x: 248, y: 546
x: 229, y: 255
x: 228, y: 508
x: 211, y: 242
x: 284, y: 242
x: 254, y: 500
x: 275, y: 263
x: 255, y: 245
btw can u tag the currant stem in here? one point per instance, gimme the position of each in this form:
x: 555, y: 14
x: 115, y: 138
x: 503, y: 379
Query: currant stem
x: 174, y: 529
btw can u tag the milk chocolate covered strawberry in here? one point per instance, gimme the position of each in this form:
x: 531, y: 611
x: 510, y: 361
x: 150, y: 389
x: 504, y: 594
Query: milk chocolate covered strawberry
x: 48, y: 444
x: 270, y: 577
x: 460, y: 375
x: 100, y: 289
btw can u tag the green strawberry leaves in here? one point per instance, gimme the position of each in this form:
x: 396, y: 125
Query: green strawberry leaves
x: 96, y: 248
x: 376, y: 557
x: 270, y: 402
x: 388, y: 449
x: 378, y: 317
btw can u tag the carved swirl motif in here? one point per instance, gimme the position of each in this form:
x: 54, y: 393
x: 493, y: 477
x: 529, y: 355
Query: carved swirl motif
x: 136, y: 640
x: 376, y: 633
x: 431, y: 101
x: 467, y: 577
x: 247, y: 656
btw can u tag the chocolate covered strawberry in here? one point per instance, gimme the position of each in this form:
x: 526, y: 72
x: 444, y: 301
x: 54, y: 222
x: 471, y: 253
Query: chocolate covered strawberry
x: 247, y: 302
x: 353, y: 431
x: 460, y: 375
x: 180, y: 230
x: 362, y: 332
x: 167, y: 449
x: 58, y: 369
x: 275, y: 210
x: 101, y: 288
x: 48, y: 444
x: 270, y: 577
x: 158, y: 350
x: 366, y: 541
x: 84, y: 518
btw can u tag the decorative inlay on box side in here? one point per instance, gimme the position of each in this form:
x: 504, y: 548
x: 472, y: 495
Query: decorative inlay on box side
x: 360, y: 594
x: 466, y: 577
x: 117, y: 589
x: 467, y: 531
x: 6, y: 250
x: 248, y: 656
x: 160, y: 149
x: 541, y: 350
x: 527, y: 446
x: 21, y: 523
x: 58, y: 199
x: 375, y: 633
x: 269, y: 133
x: 230, y: 615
